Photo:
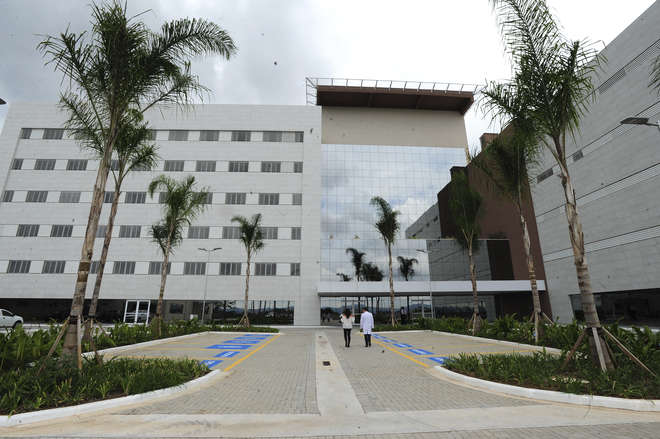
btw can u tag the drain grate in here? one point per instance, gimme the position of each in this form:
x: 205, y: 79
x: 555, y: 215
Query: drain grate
x: 326, y: 363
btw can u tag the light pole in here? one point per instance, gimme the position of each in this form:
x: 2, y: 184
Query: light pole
x: 428, y: 257
x: 640, y: 121
x: 206, y: 275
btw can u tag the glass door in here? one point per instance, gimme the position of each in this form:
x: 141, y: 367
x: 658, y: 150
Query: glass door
x: 137, y: 311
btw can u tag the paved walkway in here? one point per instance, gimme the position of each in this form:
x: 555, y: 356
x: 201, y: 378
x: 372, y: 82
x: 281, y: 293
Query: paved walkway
x: 304, y: 383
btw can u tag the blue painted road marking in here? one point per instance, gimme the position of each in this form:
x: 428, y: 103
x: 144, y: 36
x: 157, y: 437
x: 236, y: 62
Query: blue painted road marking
x: 210, y: 363
x: 242, y: 341
x: 403, y: 345
x: 387, y: 340
x: 227, y: 354
x: 420, y: 352
x: 440, y: 360
x: 230, y: 346
x: 257, y: 335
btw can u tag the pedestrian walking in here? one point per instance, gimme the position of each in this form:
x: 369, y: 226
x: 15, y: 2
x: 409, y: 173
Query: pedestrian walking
x: 366, y: 325
x: 347, y: 321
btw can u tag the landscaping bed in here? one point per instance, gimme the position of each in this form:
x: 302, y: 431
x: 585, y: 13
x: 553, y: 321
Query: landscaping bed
x: 61, y: 384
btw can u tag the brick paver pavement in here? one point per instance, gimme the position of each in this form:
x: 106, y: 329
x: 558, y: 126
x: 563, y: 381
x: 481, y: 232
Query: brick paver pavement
x: 384, y: 381
x: 280, y: 378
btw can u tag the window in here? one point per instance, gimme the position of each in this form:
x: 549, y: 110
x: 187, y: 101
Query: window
x: 269, y: 232
x: 173, y: 166
x: 19, y: 266
x: 53, y: 133
x: 176, y: 308
x: 44, y: 165
x: 156, y: 266
x: 209, y: 198
x: 271, y: 166
x: 298, y: 167
x: 297, y: 199
x: 231, y: 232
x: 101, y: 230
x: 142, y: 168
x: 108, y: 196
x: 198, y: 232
x: 240, y: 136
x: 194, y: 268
x: 209, y: 136
x: 76, y: 165
x: 238, y: 166
x: 235, y: 198
x: 296, y: 233
x: 162, y: 197
x: 265, y: 269
x: 295, y: 269
x: 94, y: 267
x: 272, y: 136
x: 135, y: 197
x: 123, y: 267
x: 7, y: 196
x: 114, y: 165
x: 151, y: 135
x: 26, y: 230
x: 61, y: 230
x: 300, y: 136
x: 543, y: 175
x: 205, y: 166
x: 178, y: 135
x: 36, y: 196
x: 269, y: 199
x: 69, y: 197
x: 17, y: 164
x: 25, y: 133
x: 129, y: 231
x: 230, y: 269
x: 52, y: 267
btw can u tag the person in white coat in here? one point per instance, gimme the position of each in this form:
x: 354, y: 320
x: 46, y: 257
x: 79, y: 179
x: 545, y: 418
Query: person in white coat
x: 366, y: 325
x: 347, y: 321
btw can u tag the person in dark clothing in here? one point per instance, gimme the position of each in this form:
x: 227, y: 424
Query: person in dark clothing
x: 347, y: 321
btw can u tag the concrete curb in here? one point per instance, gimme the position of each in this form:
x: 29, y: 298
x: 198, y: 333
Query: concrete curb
x: 501, y: 342
x: 640, y: 405
x: 49, y: 414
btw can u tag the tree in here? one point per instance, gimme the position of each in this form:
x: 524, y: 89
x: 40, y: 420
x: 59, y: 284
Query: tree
x: 388, y: 226
x: 357, y: 259
x: 252, y: 239
x: 371, y: 272
x: 344, y: 277
x: 121, y: 67
x: 506, y: 161
x: 406, y: 267
x: 181, y: 205
x: 551, y: 87
x: 133, y: 150
x: 465, y: 207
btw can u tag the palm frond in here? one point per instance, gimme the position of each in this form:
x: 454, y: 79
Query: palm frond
x: 387, y: 224
x: 465, y: 205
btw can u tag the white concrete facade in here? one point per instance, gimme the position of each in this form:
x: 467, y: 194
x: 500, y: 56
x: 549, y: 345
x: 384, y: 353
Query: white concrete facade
x: 616, y: 173
x: 283, y: 251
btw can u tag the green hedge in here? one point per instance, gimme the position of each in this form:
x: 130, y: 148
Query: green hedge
x: 62, y: 384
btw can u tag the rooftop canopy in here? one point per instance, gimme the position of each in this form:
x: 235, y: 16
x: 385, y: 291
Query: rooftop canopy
x: 376, y: 93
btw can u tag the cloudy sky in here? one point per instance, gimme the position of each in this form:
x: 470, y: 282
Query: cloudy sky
x: 281, y: 42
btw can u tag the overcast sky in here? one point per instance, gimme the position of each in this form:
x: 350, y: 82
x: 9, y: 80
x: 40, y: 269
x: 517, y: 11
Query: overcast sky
x: 444, y: 41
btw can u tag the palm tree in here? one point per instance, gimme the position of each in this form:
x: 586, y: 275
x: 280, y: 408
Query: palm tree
x: 252, y: 239
x: 406, y: 267
x: 181, y: 205
x: 119, y: 67
x: 388, y: 226
x: 344, y: 277
x: 371, y: 272
x: 553, y: 81
x: 506, y: 161
x: 133, y: 151
x: 465, y: 207
x: 357, y: 259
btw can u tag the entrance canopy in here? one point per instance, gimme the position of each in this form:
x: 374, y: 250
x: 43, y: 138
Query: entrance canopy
x: 417, y: 288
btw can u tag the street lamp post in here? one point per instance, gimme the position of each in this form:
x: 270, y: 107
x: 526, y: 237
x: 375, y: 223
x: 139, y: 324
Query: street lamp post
x: 640, y: 121
x: 206, y: 275
x: 428, y: 256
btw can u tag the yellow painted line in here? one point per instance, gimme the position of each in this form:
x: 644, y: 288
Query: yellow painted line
x: 240, y: 360
x: 402, y: 354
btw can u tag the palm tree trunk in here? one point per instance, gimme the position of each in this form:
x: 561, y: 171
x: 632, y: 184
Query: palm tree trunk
x: 584, y: 279
x: 389, y: 254
x: 163, y: 279
x: 536, y: 301
x: 245, y: 320
x: 104, y: 256
x: 70, y: 346
x: 476, y: 319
